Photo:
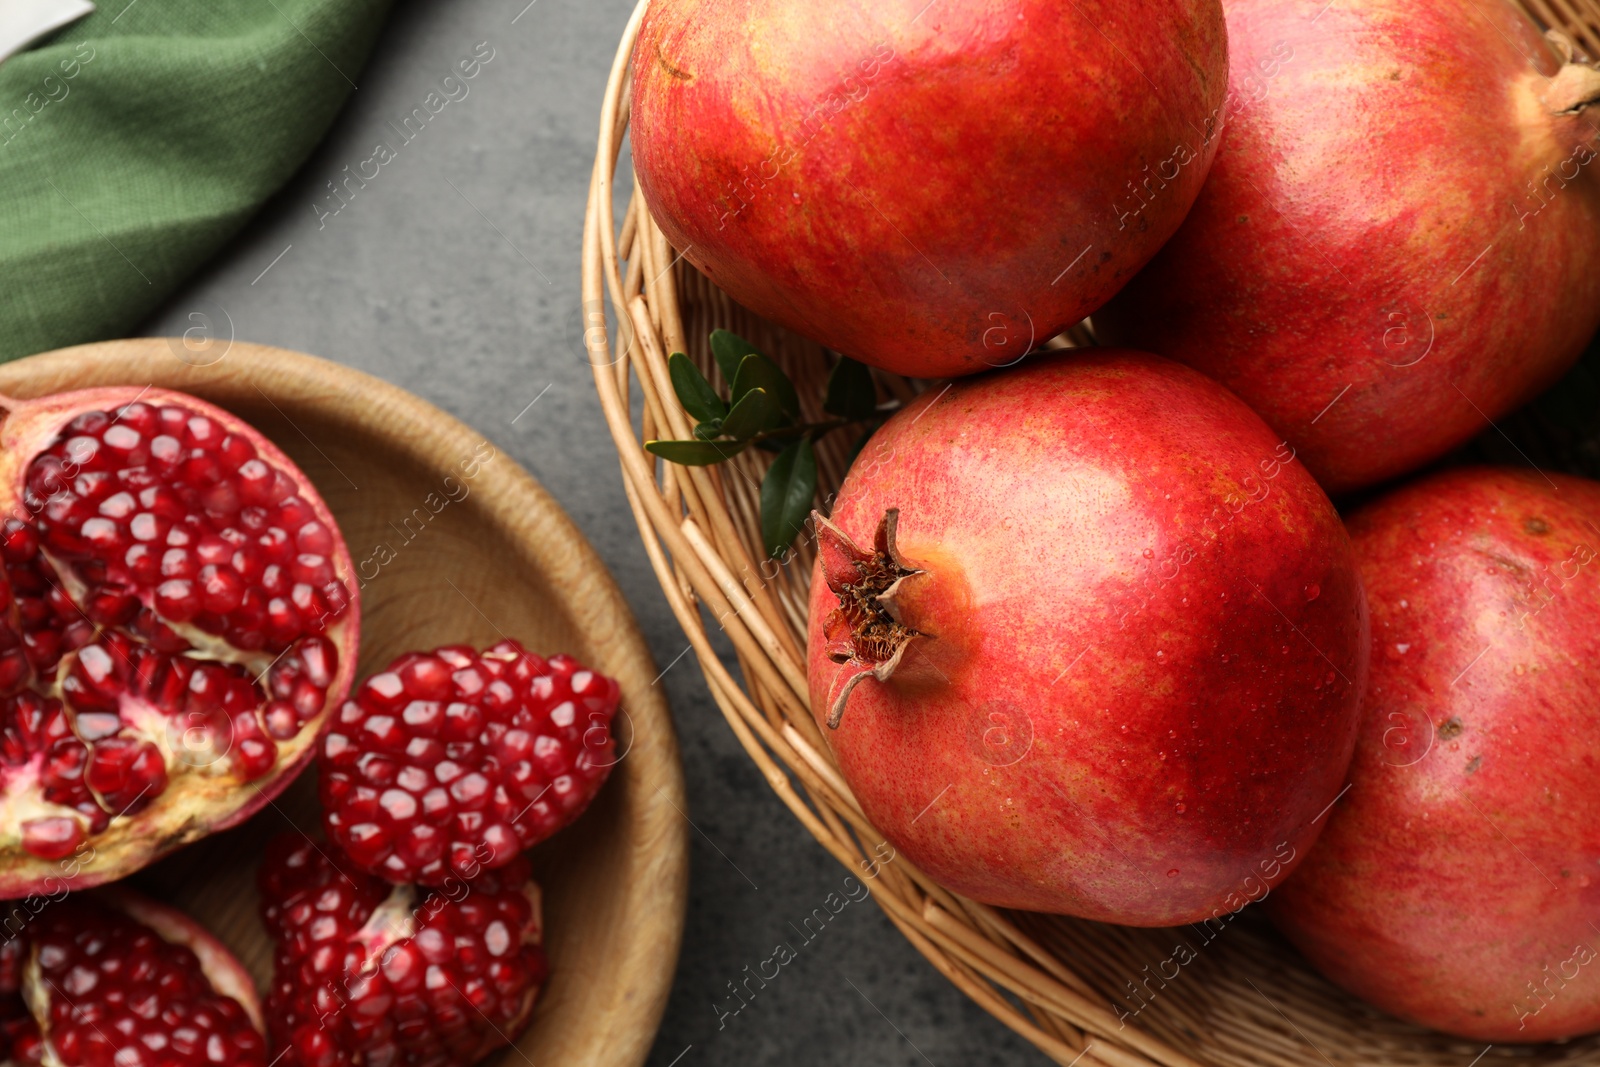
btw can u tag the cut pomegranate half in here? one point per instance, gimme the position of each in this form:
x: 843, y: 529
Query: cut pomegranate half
x: 179, y: 618
x: 454, y: 761
x: 111, y: 978
x: 369, y: 973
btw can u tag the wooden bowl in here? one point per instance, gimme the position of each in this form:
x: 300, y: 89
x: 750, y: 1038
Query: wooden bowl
x: 503, y: 560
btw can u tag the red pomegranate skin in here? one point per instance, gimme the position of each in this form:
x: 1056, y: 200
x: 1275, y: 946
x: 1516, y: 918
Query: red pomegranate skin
x: 928, y: 187
x: 1397, y: 241
x: 1458, y: 882
x: 1147, y: 643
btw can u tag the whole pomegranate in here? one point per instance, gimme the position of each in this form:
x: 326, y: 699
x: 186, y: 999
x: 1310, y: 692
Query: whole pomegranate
x: 368, y: 973
x: 1397, y: 241
x: 1458, y: 882
x: 177, y: 621
x: 928, y: 187
x: 455, y: 761
x: 1092, y: 641
x: 111, y: 979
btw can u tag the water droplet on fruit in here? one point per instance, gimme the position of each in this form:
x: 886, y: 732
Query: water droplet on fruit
x: 1313, y: 591
x: 1149, y: 553
x: 1490, y: 570
x: 796, y: 197
x: 1172, y: 733
x: 1173, y: 873
x: 1181, y: 807
x: 1162, y: 754
x: 1124, y: 727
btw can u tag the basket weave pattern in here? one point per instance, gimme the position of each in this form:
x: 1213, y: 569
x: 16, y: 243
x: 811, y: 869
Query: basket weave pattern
x: 1219, y: 995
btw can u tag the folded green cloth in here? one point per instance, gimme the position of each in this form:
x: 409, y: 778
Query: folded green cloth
x: 136, y: 142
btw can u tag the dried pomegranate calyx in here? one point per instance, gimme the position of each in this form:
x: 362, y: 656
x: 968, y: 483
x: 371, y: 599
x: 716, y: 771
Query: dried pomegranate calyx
x: 1576, y: 85
x: 864, y: 633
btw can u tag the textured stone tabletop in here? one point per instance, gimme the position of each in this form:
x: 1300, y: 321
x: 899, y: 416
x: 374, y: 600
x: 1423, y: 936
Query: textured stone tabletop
x: 454, y: 273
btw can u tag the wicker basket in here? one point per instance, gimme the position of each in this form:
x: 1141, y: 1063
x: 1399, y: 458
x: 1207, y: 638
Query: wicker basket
x: 1084, y: 993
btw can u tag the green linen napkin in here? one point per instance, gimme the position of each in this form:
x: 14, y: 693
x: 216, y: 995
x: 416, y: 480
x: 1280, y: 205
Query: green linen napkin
x: 136, y: 142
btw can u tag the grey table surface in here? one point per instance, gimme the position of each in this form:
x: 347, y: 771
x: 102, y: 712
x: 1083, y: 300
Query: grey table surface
x: 454, y: 274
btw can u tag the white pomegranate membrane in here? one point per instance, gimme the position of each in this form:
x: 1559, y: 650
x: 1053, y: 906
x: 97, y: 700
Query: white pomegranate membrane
x: 178, y: 620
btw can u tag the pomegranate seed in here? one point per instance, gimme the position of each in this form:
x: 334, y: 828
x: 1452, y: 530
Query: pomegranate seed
x: 176, y: 600
x: 314, y: 538
x: 254, y: 756
x: 83, y: 452
x: 295, y: 512
x: 221, y: 589
x: 236, y: 451
x: 166, y: 451
x: 281, y: 720
x: 429, y: 770
x: 178, y: 563
x: 52, y: 838
x: 366, y: 842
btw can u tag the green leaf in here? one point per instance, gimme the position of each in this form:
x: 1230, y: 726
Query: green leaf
x: 694, y: 392
x: 695, y: 453
x: 708, y: 431
x: 753, y: 412
x: 851, y: 394
x: 729, y: 348
x: 758, y: 372
x: 786, y: 495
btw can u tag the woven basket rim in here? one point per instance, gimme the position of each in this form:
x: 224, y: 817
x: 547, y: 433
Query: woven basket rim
x: 1054, y: 982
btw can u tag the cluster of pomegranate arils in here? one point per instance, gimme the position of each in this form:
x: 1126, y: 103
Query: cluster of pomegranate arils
x: 439, y: 771
x: 111, y: 979
x: 175, y: 606
x: 370, y: 973
x: 453, y: 761
x: 177, y: 625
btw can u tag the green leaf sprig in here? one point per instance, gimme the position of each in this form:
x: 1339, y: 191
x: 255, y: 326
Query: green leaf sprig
x: 762, y: 410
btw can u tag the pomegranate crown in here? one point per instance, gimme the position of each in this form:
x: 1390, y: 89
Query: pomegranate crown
x: 864, y: 634
x: 1576, y: 85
